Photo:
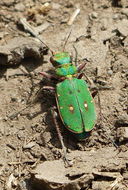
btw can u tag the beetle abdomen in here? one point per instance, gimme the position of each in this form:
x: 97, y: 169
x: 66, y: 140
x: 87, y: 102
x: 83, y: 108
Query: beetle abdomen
x: 76, y: 105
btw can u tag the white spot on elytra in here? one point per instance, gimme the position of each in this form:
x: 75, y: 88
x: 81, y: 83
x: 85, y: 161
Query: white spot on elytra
x: 71, y: 108
x: 85, y: 105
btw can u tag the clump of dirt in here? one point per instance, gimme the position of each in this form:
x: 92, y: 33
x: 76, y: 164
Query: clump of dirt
x: 30, y: 151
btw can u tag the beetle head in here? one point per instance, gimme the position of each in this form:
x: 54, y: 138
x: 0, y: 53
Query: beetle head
x: 61, y: 58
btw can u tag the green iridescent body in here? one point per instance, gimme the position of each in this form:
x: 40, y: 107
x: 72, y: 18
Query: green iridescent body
x: 75, y: 103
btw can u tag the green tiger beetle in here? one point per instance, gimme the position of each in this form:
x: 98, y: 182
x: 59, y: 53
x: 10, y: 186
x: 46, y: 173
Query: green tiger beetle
x: 74, y: 101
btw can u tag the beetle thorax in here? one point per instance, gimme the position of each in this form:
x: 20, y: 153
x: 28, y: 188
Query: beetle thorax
x: 66, y: 70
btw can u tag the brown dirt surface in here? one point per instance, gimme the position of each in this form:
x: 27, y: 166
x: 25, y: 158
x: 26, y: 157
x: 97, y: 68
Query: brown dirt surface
x: 30, y: 151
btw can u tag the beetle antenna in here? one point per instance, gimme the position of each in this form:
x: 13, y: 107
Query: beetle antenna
x: 67, y: 38
x: 28, y: 28
x: 76, y: 56
x: 43, y: 43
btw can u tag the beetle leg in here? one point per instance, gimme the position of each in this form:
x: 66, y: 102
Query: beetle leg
x: 51, y: 88
x: 92, y: 85
x: 80, y: 76
x: 54, y: 114
x: 81, y: 67
x: 94, y: 93
x: 46, y: 75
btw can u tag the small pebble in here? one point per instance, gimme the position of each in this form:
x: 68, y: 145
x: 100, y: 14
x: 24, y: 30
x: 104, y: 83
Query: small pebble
x: 115, y: 17
x: 29, y: 145
x: 94, y: 15
x: 20, y: 135
x: 110, y: 72
x: 121, y: 99
x: 30, y: 115
x: 6, y: 169
x: 6, y: 118
x: 9, y: 151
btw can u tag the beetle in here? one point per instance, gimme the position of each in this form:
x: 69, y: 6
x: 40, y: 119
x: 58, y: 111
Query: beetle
x: 74, y: 101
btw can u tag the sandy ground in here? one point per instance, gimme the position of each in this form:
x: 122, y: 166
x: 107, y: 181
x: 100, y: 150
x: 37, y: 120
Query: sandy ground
x: 30, y: 152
